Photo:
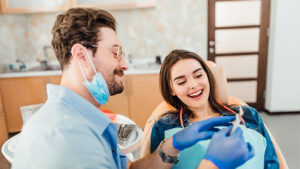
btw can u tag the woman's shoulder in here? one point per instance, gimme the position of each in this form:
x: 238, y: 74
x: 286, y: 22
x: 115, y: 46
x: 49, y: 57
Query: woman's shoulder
x: 251, y: 117
x: 169, y: 118
x: 168, y: 121
x: 248, y: 111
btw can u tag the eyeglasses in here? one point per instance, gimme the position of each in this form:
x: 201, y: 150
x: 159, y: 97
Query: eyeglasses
x: 118, y: 51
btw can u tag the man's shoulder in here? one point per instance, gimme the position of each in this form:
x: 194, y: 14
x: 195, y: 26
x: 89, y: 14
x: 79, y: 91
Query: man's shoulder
x: 61, y: 145
x: 62, y: 150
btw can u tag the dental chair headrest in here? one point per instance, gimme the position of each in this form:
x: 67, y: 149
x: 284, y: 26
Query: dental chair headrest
x: 221, y: 88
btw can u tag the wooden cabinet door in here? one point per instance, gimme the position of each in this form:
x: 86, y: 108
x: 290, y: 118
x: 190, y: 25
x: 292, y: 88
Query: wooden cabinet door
x: 3, y: 127
x: 17, y: 92
x: 119, y: 103
x: 53, y: 79
x: 144, y: 96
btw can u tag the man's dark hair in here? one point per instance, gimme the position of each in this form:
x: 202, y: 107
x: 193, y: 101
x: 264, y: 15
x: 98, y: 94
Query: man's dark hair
x: 78, y: 25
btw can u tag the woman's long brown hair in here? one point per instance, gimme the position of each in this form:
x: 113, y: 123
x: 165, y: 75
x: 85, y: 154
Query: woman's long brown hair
x: 165, y: 82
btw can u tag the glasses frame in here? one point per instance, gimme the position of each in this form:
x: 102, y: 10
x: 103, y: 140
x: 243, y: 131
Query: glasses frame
x: 121, y: 54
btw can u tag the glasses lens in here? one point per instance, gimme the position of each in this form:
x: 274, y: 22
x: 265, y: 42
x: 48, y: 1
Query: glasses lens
x: 121, y: 53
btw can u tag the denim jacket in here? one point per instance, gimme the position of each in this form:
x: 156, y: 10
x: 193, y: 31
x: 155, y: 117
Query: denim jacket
x: 252, y: 121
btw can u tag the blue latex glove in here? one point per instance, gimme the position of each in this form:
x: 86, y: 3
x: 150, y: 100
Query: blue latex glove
x: 228, y: 152
x: 200, y: 130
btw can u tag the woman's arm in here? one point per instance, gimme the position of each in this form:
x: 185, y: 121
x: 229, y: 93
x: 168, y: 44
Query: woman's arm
x: 281, y: 159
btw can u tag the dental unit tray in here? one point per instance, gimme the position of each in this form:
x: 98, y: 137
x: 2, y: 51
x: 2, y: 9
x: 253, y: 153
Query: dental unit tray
x: 129, y: 134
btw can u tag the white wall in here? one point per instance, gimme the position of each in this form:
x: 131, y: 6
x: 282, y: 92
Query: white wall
x: 148, y: 32
x: 283, y: 77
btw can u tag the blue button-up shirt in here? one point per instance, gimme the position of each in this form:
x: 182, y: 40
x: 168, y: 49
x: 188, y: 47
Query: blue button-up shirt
x: 68, y: 132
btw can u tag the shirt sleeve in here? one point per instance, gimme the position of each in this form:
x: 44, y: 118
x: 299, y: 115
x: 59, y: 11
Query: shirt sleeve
x: 166, y: 122
x: 157, y: 135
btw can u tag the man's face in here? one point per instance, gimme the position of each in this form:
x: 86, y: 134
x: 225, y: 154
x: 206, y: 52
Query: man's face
x: 106, y: 61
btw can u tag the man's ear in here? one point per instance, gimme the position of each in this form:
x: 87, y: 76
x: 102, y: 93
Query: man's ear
x: 79, y: 54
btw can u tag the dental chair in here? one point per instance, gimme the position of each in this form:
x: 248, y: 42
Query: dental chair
x: 222, y: 95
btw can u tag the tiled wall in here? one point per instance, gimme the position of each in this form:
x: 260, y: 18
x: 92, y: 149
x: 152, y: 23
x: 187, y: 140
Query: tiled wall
x: 144, y: 32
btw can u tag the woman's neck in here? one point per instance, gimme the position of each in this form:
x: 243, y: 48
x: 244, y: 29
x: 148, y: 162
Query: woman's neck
x: 203, y: 113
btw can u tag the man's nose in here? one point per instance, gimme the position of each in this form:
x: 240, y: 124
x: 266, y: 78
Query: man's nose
x: 123, y: 65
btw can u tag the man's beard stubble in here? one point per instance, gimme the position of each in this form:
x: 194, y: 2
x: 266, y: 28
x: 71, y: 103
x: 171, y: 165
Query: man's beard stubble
x: 114, y: 87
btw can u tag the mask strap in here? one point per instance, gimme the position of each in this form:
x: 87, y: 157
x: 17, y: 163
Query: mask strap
x: 81, y: 70
x: 90, y: 59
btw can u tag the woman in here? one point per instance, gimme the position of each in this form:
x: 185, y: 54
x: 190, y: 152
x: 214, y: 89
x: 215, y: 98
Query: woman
x: 188, y: 85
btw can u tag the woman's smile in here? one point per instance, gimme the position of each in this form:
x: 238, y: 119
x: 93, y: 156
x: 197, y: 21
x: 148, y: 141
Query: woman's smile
x: 196, y: 94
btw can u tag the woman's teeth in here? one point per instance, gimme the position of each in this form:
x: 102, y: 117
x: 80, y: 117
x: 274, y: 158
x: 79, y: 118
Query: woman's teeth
x: 196, y: 94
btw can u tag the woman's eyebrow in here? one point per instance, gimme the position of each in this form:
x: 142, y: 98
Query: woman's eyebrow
x: 182, y: 76
x: 197, y: 70
x: 178, y: 77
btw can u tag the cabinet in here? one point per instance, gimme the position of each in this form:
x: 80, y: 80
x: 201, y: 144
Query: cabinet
x: 119, y: 103
x: 17, y: 92
x: 144, y: 96
x: 35, y: 6
x: 114, y: 4
x: 139, y: 99
x: 3, y: 128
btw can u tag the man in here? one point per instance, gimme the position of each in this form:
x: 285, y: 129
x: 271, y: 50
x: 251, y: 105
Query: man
x: 69, y: 131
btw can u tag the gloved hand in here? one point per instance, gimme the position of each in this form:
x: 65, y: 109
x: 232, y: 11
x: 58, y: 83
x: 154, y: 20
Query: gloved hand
x: 228, y: 152
x: 198, y: 131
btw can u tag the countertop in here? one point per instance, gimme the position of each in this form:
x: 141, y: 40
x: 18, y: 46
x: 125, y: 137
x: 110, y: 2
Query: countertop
x: 136, y: 67
x: 132, y: 71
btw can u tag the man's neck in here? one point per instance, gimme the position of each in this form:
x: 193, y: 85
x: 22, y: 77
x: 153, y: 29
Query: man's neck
x: 77, y: 86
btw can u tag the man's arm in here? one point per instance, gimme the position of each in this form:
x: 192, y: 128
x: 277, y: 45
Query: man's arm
x: 206, y: 164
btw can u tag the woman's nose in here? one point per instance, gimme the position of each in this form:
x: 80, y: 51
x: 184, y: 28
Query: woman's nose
x: 193, y: 84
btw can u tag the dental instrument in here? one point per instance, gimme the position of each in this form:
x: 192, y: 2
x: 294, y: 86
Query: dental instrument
x: 237, y: 120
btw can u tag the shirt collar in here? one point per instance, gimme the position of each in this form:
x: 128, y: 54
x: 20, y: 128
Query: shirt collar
x: 75, y: 101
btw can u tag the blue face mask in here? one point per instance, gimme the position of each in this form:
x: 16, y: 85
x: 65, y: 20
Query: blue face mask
x: 98, y: 87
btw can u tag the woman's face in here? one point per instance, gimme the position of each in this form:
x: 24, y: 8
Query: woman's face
x: 189, y: 82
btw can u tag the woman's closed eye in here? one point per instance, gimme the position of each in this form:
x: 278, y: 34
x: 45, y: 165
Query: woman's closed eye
x: 198, y: 76
x: 181, y: 82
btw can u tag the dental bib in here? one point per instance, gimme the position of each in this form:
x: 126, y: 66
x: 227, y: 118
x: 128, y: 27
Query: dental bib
x: 190, y: 158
